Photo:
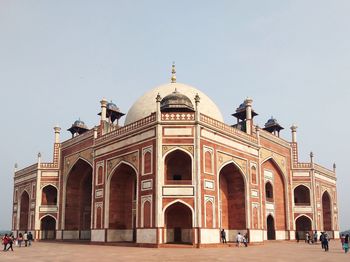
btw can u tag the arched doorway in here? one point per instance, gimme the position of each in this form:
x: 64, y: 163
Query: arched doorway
x: 178, y: 223
x: 78, y: 200
x: 233, y: 199
x: 24, y: 212
x: 272, y: 171
x: 271, y: 233
x: 303, y: 225
x: 122, y: 203
x: 301, y: 196
x: 178, y: 168
x: 48, y: 228
x: 49, y: 195
x: 327, y: 212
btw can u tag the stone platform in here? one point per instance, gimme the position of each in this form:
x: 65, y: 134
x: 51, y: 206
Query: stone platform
x: 270, y: 251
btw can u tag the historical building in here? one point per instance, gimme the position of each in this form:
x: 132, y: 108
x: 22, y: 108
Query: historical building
x: 174, y: 172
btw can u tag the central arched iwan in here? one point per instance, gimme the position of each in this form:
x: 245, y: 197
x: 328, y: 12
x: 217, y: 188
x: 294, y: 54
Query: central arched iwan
x: 233, y: 198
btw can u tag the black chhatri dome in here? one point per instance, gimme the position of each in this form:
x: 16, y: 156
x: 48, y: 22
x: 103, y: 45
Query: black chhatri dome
x: 176, y: 102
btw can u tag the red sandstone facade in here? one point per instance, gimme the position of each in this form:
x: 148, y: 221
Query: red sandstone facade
x: 175, y: 176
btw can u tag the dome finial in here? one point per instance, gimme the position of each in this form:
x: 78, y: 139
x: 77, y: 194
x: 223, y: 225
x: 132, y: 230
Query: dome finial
x: 173, y: 73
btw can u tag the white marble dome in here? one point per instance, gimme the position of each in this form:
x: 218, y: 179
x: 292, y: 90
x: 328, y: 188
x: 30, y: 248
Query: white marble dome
x: 146, y: 104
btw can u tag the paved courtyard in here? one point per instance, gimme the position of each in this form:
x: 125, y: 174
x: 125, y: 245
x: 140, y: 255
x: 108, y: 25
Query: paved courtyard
x: 273, y: 251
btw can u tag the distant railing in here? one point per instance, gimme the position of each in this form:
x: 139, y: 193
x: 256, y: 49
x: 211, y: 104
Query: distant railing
x: 229, y: 129
x: 302, y: 204
x: 129, y: 128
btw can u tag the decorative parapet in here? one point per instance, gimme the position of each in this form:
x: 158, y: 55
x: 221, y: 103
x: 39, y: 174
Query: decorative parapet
x: 302, y: 165
x: 128, y: 128
x: 24, y: 171
x: 77, y: 139
x: 178, y: 116
x: 228, y: 129
x: 324, y: 170
x: 49, y: 165
x: 274, y: 138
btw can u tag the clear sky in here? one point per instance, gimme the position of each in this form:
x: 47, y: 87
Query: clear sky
x: 59, y: 58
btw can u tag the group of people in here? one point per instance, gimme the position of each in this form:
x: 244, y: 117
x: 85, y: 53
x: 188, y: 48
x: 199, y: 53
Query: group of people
x: 8, y: 240
x: 240, y: 239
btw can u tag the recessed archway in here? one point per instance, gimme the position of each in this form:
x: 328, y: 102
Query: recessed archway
x: 271, y: 232
x: 327, y: 211
x: 178, y: 168
x: 78, y: 199
x: 178, y: 223
x: 48, y: 228
x: 303, y: 225
x: 301, y: 196
x: 122, y: 202
x: 232, y: 197
x: 49, y: 195
x: 24, y: 211
x: 272, y: 170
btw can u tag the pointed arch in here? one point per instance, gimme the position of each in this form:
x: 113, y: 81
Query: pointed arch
x: 179, y: 222
x: 48, y: 225
x: 327, y: 211
x: 233, y: 196
x: 75, y: 162
x: 271, y: 228
x: 178, y: 166
x: 49, y: 195
x: 78, y: 196
x: 24, y: 210
x: 108, y: 190
x: 271, y: 171
x: 302, y: 195
x: 303, y: 224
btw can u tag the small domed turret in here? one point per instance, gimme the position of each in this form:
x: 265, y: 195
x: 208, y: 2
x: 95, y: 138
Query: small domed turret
x: 78, y: 127
x: 273, y: 126
x: 176, y: 102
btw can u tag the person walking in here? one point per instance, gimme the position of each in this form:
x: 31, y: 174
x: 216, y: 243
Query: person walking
x: 306, y: 237
x: 245, y: 239
x: 30, y: 238
x: 20, y: 239
x: 315, y: 237
x: 239, y: 239
x: 5, y: 241
x: 325, y: 242
x: 25, y: 238
x: 342, y: 240
x: 346, y: 243
x: 297, y: 236
x: 10, y: 243
x: 321, y: 239
x: 223, y: 236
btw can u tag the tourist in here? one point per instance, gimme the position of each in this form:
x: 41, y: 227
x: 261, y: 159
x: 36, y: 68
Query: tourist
x: 245, y: 239
x: 342, y: 240
x: 20, y: 239
x: 239, y: 239
x: 307, y: 237
x: 297, y: 236
x: 25, y: 238
x: 315, y: 237
x: 325, y: 241
x: 346, y: 243
x: 10, y: 242
x: 30, y: 238
x: 223, y: 236
x: 5, y: 241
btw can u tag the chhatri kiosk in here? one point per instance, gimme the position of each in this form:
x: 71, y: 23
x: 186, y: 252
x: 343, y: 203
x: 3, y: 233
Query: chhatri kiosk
x: 174, y: 173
